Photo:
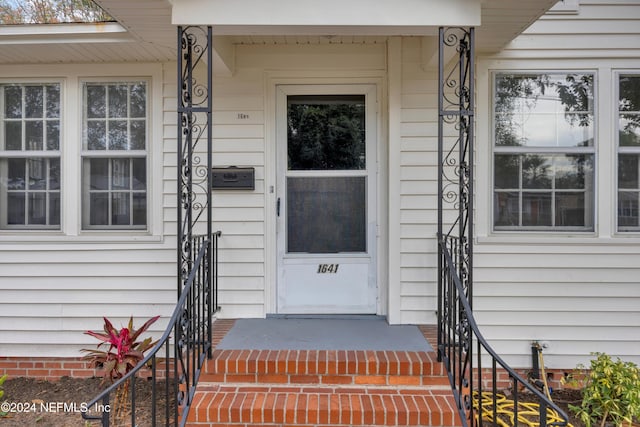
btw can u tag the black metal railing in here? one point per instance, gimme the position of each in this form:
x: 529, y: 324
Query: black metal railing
x: 480, y: 379
x: 162, y: 386
x: 478, y: 376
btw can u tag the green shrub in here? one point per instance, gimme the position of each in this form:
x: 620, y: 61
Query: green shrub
x: 2, y: 380
x: 611, y: 392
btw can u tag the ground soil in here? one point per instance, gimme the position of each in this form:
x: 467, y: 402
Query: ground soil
x: 78, y: 391
x: 564, y: 398
x: 49, y: 399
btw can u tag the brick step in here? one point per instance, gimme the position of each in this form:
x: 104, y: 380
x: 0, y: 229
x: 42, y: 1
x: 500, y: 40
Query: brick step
x: 326, y: 367
x: 270, y: 405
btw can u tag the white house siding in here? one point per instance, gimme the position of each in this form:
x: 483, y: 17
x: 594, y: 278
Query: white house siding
x: 578, y: 292
x: 240, y: 215
x: 418, y: 186
x: 56, y: 285
x: 244, y: 136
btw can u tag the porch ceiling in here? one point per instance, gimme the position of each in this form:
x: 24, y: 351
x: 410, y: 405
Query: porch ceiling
x: 145, y: 33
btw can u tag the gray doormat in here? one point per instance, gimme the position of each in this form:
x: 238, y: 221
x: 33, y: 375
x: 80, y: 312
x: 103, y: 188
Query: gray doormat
x: 323, y: 334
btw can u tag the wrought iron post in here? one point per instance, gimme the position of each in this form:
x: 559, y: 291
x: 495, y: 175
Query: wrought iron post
x: 455, y: 154
x: 193, y: 332
x: 455, y: 203
x: 194, y: 142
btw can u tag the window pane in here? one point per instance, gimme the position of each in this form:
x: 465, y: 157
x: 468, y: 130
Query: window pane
x: 628, y: 171
x: 118, y: 135
x: 506, y: 209
x: 99, y: 172
x: 574, y: 171
x: 120, y: 208
x: 99, y: 209
x: 570, y: 210
x: 507, y: 171
x: 554, y: 110
x: 12, y: 102
x: 629, y: 129
x: 575, y: 130
x: 326, y: 132
x: 31, y: 124
x: 37, y: 174
x: 120, y: 174
x: 138, y: 100
x: 34, y: 101
x: 121, y: 181
x: 139, y: 174
x: 54, y: 174
x: 17, y: 174
x: 96, y: 135
x: 537, y: 171
x: 96, y: 101
x: 54, y: 208
x: 34, y: 135
x: 629, y: 93
x: 38, y: 208
x: 13, y: 135
x: 138, y: 134
x: 139, y: 209
x: 16, y: 208
x: 341, y: 227
x: 117, y: 101
x: 53, y: 135
x: 53, y: 101
x: 536, y: 209
x: 628, y: 208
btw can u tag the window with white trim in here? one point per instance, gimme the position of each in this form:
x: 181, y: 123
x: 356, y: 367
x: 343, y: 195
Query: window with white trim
x: 30, y: 156
x: 628, y: 152
x: 114, y: 155
x: 543, y: 152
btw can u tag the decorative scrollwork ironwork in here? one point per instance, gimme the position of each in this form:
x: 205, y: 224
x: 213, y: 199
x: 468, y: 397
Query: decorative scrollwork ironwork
x: 194, y: 139
x: 455, y: 198
x: 461, y: 346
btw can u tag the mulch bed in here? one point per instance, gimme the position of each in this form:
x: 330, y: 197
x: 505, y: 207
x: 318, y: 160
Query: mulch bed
x: 59, y: 403
x: 81, y: 390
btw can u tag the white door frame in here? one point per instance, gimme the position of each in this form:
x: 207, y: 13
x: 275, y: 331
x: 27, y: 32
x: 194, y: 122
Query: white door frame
x: 370, y: 91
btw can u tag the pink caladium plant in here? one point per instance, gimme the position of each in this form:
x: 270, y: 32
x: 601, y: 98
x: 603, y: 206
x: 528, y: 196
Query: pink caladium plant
x: 124, y: 352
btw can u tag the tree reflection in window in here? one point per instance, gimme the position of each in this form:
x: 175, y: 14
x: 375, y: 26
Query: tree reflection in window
x: 629, y: 153
x: 543, y: 151
x: 326, y: 132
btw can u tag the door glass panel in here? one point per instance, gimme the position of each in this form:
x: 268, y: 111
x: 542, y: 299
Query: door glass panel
x: 326, y: 214
x: 326, y: 132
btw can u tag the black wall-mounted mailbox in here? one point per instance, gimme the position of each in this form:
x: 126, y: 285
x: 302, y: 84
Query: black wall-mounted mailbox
x: 233, y: 178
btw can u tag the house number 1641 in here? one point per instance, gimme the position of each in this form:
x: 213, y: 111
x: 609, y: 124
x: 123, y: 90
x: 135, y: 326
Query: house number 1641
x: 328, y: 268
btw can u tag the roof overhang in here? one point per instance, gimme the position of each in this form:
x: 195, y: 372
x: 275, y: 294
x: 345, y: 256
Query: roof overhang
x: 326, y: 17
x: 145, y: 30
x: 105, y: 32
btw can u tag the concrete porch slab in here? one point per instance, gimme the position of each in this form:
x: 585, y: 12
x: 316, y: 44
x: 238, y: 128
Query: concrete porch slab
x: 323, y: 334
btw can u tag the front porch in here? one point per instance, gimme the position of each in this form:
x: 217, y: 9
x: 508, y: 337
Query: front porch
x: 358, y: 371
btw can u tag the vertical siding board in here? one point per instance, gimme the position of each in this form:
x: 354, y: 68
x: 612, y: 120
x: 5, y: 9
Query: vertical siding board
x: 418, y: 185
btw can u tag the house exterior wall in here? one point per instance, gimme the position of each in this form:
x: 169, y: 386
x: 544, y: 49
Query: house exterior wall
x: 245, y: 135
x: 578, y: 292
x: 416, y: 142
x: 54, y: 285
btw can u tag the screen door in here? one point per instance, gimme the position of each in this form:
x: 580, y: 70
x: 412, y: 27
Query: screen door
x: 326, y: 199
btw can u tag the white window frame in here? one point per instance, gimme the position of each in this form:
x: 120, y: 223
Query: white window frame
x: 623, y: 230
x: 70, y: 76
x: 542, y: 150
x: 87, y: 154
x: 30, y: 154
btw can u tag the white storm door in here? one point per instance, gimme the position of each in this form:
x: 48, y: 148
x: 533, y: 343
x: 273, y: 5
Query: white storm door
x: 326, y: 199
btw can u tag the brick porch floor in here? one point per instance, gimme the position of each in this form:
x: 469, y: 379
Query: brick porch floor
x: 322, y: 387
